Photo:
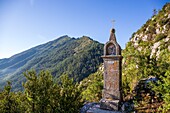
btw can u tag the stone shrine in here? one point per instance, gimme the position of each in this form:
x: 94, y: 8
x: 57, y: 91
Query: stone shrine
x: 112, y: 91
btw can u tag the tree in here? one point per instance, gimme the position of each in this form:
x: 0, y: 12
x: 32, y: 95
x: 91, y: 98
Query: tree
x: 162, y: 87
x: 9, y: 101
x: 38, y: 88
x: 31, y: 91
x: 92, y: 87
x: 45, y: 86
x: 69, y: 100
x: 43, y: 95
x: 154, y: 12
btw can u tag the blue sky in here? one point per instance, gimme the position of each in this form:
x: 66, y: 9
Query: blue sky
x: 27, y: 23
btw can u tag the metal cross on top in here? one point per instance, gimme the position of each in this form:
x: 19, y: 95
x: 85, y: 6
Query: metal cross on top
x: 113, y: 21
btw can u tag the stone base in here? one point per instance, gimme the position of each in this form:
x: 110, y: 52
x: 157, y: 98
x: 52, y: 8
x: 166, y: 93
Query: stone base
x: 109, y: 104
x: 95, y: 108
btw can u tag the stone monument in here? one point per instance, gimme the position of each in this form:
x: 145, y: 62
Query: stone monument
x: 112, y: 91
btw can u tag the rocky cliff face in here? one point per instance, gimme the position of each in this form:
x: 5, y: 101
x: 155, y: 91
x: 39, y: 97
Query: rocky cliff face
x: 147, y: 55
x: 150, y: 42
x: 156, y: 33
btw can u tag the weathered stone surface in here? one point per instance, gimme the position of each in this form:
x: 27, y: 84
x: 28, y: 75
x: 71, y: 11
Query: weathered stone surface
x: 109, y: 104
x: 87, y: 107
x: 111, y: 94
x: 95, y: 108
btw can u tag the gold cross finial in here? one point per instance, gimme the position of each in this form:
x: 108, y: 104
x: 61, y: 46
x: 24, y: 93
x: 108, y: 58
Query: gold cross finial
x: 113, y: 21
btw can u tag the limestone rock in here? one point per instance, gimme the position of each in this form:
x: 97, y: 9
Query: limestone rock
x: 95, y: 108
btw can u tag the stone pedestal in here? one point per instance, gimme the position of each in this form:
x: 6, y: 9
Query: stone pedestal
x: 111, y: 94
x: 95, y: 108
x: 112, y: 83
x: 109, y: 104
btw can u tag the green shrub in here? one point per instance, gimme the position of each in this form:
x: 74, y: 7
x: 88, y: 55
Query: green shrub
x: 160, y: 37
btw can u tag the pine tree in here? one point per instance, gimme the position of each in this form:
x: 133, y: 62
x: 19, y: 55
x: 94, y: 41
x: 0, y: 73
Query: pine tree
x: 70, y: 98
x: 31, y: 91
x: 92, y: 87
x: 43, y: 95
x: 9, y: 101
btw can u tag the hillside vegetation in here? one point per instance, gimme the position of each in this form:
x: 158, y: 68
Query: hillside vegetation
x: 146, y: 68
x: 145, y: 77
x: 76, y: 57
x: 41, y: 94
x: 147, y: 59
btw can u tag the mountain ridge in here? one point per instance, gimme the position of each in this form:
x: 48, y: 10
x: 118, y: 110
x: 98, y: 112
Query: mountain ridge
x: 30, y: 52
x: 63, y: 55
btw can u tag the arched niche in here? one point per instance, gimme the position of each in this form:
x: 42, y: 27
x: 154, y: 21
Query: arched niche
x: 111, y: 48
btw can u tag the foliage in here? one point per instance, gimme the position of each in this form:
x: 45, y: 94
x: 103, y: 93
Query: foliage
x: 38, y: 89
x: 163, y: 86
x: 148, y: 58
x: 75, y: 57
x: 42, y: 95
x: 10, y: 101
x: 159, y: 37
x: 144, y: 58
x: 70, y: 98
x: 92, y: 87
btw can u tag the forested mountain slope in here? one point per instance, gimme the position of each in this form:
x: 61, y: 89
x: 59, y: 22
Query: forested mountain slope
x: 146, y: 56
x: 76, y: 57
